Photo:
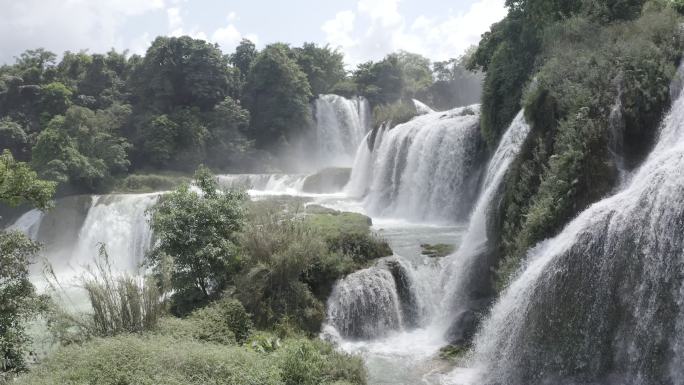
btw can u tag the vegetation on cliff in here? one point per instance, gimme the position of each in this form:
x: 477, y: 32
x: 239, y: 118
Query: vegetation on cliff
x: 593, y: 78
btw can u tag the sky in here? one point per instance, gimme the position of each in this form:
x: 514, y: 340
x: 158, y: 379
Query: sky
x: 362, y: 29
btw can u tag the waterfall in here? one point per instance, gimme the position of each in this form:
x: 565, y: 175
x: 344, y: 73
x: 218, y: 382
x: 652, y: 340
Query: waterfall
x: 72, y: 230
x: 422, y: 108
x: 366, y: 304
x: 398, y: 294
x: 426, y: 169
x: 387, y: 297
x: 341, y: 125
x: 467, y: 288
x: 362, y: 170
x: 271, y: 183
x: 603, y: 301
x: 28, y: 223
x: 120, y: 222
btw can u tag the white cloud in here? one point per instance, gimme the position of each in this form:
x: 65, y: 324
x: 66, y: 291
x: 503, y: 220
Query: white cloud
x: 378, y: 28
x: 386, y: 12
x: 227, y: 37
x: 140, y: 44
x: 175, y: 19
x: 339, y: 30
x: 60, y: 25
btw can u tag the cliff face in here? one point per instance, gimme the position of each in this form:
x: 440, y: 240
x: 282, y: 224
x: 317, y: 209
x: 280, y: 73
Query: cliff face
x: 594, y: 83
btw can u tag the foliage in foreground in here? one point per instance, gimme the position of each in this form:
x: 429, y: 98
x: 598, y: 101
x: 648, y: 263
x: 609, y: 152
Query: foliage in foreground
x: 18, y: 300
x: 197, y: 233
x: 294, y: 260
x: 159, y: 359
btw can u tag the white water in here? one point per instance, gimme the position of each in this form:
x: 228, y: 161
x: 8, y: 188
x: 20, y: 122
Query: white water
x: 424, y: 170
x: 275, y: 184
x: 422, y: 108
x: 388, y: 317
x: 29, y: 223
x: 460, y: 268
x: 341, y: 125
x: 602, y: 301
x: 406, y: 354
x: 72, y: 235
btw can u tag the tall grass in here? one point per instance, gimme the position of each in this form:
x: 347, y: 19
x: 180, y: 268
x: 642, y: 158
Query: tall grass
x: 120, y: 303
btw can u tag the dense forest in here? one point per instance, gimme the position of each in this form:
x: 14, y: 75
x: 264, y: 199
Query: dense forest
x: 89, y: 119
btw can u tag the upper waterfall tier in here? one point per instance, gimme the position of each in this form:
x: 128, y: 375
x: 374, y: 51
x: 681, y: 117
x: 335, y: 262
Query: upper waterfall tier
x: 341, y: 125
x: 427, y: 169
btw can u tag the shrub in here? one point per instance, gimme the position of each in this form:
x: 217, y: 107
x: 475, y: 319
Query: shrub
x: 119, y: 304
x: 141, y: 183
x: 152, y: 360
x: 394, y: 113
x: 19, y: 302
x: 225, y: 321
x: 293, y: 262
x: 306, y: 362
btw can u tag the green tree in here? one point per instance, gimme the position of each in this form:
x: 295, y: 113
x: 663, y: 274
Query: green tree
x: 56, y: 99
x: 19, y: 184
x: 18, y: 300
x: 182, y: 71
x: 242, y: 59
x: 72, y: 68
x: 227, y: 142
x: 34, y: 65
x: 323, y: 66
x: 198, y: 233
x: 82, y: 147
x: 277, y: 96
x: 381, y: 82
x: 13, y: 137
x: 417, y: 74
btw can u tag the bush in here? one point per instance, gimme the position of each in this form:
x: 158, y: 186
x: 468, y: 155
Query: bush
x: 120, y: 304
x: 394, y: 113
x: 177, y: 360
x: 293, y: 262
x: 305, y: 362
x: 153, y: 360
x: 142, y: 183
x: 225, y: 321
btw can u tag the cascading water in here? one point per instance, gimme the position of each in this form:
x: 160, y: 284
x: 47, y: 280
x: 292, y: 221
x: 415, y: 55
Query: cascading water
x: 422, y: 108
x: 418, y: 305
x: 121, y: 224
x: 424, y: 170
x: 271, y: 183
x: 72, y: 231
x: 366, y: 304
x: 602, y: 302
x: 362, y: 171
x: 466, y: 271
x: 341, y: 125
